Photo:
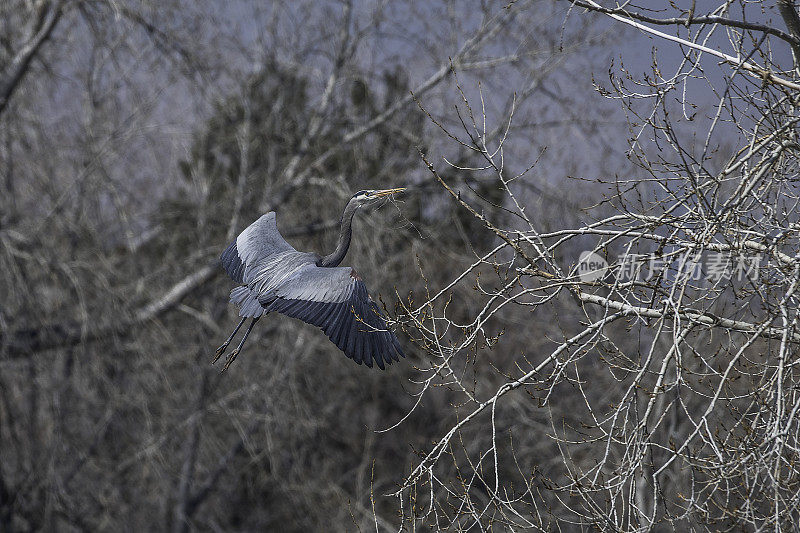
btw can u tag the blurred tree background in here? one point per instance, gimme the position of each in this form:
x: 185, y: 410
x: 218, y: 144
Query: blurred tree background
x: 138, y: 138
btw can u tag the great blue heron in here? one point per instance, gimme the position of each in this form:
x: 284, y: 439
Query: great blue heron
x: 276, y: 277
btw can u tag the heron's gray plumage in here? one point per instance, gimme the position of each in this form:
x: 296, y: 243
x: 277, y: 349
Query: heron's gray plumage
x: 247, y: 302
x: 276, y: 277
x: 260, y: 242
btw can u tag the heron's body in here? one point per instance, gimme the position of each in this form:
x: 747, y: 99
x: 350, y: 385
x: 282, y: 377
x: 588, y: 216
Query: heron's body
x: 273, y: 276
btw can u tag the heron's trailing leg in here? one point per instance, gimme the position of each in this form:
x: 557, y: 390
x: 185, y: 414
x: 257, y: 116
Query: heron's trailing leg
x: 234, y: 353
x: 221, y: 349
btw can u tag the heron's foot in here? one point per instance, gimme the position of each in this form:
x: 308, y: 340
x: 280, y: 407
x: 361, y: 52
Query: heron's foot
x: 230, y: 359
x: 219, y: 352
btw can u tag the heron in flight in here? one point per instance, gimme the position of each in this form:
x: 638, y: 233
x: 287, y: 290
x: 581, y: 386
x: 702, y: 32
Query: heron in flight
x: 273, y: 276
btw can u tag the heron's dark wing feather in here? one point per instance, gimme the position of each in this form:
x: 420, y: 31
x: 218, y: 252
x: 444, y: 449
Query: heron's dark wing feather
x: 259, y: 242
x: 336, y: 300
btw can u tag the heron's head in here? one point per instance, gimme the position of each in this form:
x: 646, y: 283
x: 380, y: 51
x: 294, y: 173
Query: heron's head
x: 368, y: 196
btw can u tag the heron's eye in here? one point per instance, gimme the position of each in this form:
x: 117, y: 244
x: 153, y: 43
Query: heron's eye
x: 360, y: 193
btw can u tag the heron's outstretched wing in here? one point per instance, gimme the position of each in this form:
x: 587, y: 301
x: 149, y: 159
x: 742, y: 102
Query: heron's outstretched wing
x: 336, y: 300
x: 255, y: 246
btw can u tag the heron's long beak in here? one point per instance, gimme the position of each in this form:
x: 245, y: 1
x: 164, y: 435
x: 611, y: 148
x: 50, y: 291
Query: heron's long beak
x: 386, y: 192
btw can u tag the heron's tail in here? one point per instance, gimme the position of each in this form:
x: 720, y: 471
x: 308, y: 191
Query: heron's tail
x: 247, y: 301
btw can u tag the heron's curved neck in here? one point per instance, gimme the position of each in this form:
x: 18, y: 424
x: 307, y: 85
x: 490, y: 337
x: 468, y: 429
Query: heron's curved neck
x: 345, y: 233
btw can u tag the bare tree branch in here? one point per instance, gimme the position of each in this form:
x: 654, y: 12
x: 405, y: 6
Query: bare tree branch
x: 792, y: 21
x: 792, y: 38
x: 13, y: 73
